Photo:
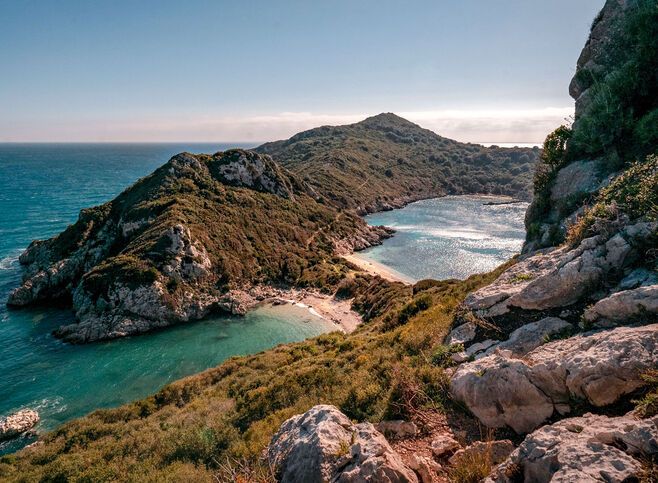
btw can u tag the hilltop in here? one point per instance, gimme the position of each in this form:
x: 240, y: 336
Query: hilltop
x: 386, y: 161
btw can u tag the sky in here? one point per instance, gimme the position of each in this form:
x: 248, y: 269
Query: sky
x: 491, y: 71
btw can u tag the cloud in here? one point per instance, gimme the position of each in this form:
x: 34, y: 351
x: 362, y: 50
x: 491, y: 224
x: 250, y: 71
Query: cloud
x: 486, y: 126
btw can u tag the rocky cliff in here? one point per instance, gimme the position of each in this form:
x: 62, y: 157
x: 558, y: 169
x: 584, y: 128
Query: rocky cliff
x: 195, y: 236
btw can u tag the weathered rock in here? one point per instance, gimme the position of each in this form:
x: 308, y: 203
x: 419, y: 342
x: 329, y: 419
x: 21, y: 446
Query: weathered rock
x: 598, y: 367
x: 397, y: 429
x: 17, y: 423
x: 586, y: 449
x: 324, y: 445
x: 625, y: 306
x: 495, y: 451
x: 577, y: 178
x: 441, y: 446
x: 425, y: 467
x: 560, y: 277
x: 530, y: 336
x: 461, y: 334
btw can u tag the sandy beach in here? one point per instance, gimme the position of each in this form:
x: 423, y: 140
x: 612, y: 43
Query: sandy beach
x: 377, y: 268
x: 329, y: 308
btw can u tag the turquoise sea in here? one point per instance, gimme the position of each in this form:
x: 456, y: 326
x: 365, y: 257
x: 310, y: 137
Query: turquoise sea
x: 450, y: 237
x: 42, y: 188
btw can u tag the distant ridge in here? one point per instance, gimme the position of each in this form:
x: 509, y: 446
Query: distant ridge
x: 386, y: 161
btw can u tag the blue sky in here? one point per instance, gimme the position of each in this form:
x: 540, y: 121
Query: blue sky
x: 202, y: 70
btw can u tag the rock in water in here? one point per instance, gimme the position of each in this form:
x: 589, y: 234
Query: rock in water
x: 323, y: 445
x: 590, y: 448
x: 17, y: 423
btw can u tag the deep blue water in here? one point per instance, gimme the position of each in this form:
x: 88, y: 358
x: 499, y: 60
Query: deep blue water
x: 450, y: 237
x: 42, y: 189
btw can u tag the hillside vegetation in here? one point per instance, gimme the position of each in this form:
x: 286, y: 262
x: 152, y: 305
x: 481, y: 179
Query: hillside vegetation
x: 385, y: 161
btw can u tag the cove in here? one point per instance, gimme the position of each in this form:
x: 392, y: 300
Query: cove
x: 42, y: 189
x: 449, y: 237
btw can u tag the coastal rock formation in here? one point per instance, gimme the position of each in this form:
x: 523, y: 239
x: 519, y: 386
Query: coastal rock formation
x: 324, y: 445
x: 588, y: 448
x: 598, y: 367
x: 17, y: 423
x: 185, y: 241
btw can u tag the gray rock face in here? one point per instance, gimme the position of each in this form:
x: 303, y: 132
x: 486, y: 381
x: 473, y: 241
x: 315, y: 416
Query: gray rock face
x: 576, y: 178
x: 586, y: 449
x: 624, y: 306
x: 256, y: 171
x: 599, y: 367
x: 17, y: 423
x: 530, y: 336
x: 462, y: 334
x: 593, y: 57
x: 323, y: 445
x: 560, y: 277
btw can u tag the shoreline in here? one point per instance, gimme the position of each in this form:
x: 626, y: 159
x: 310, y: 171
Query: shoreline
x: 379, y: 269
x: 324, y: 306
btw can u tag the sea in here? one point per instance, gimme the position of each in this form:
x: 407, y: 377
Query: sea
x: 449, y: 237
x: 42, y: 189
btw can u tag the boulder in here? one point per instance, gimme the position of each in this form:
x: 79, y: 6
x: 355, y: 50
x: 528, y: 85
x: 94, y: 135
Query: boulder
x: 624, y: 306
x: 397, y: 429
x: 598, y: 367
x: 590, y: 448
x: 324, y: 445
x: 17, y: 423
x: 426, y: 467
x: 461, y: 334
x: 530, y: 336
x: 442, y: 446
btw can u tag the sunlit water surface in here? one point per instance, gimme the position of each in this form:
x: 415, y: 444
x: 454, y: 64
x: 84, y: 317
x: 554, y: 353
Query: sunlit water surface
x: 450, y: 237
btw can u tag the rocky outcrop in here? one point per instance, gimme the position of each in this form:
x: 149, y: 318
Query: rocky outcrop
x: 560, y: 277
x: 17, y: 423
x: 624, y: 306
x: 323, y: 445
x: 586, y: 449
x: 522, y: 393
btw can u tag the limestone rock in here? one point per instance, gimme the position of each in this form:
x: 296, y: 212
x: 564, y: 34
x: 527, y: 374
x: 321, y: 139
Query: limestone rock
x: 530, y: 336
x: 591, y: 448
x: 324, y: 445
x: 598, y: 367
x: 397, y: 429
x: 497, y: 451
x: 440, y: 447
x: 624, y: 306
x: 556, y: 278
x: 17, y: 423
x: 461, y: 334
x: 576, y: 178
x: 425, y: 467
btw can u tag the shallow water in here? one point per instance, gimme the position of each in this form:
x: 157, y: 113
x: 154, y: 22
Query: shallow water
x: 42, y: 188
x: 450, y: 237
